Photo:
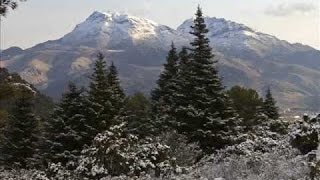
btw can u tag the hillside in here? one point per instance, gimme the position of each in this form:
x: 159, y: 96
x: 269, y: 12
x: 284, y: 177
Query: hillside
x: 11, y: 85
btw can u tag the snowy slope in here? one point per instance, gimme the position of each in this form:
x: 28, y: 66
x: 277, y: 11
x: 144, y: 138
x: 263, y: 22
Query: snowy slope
x: 107, y: 30
x: 226, y: 34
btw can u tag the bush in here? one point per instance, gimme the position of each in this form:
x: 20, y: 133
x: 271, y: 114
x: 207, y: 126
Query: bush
x: 305, y: 134
x: 116, y: 153
x: 186, y: 154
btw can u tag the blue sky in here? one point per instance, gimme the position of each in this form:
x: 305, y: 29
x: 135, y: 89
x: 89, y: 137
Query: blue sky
x: 37, y: 21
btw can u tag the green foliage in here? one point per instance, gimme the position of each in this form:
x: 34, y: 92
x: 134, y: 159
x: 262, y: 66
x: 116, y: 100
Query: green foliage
x: 269, y: 106
x: 201, y: 105
x: 255, y: 112
x: 13, y: 88
x: 20, y: 134
x: 137, y: 111
x: 105, y: 96
x: 117, y: 95
x: 247, y: 104
x: 163, y: 88
x: 68, y: 130
x: 163, y: 95
x: 99, y: 94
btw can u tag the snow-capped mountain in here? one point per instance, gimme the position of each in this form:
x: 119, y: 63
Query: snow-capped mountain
x: 109, y: 30
x: 226, y: 35
x: 138, y: 47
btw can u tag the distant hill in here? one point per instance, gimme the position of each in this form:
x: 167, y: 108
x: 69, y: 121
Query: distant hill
x: 10, y: 89
x: 139, y: 46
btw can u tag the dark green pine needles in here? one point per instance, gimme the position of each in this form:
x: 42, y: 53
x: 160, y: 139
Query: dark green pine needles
x: 269, y: 106
x: 105, y: 95
x: 21, y: 134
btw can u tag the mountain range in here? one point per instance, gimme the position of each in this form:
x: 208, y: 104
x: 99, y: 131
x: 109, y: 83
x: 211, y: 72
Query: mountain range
x: 139, y: 46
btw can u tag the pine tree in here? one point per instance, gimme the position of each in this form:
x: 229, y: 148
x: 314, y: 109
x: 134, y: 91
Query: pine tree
x: 170, y: 72
x: 181, y: 98
x: 138, y: 116
x: 184, y: 60
x: 203, y: 112
x: 68, y: 130
x: 117, y: 96
x: 269, y: 106
x: 99, y: 94
x: 21, y: 134
x: 247, y: 104
x: 163, y: 94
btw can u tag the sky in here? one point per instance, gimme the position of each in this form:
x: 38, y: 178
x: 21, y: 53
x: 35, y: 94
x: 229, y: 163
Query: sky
x: 37, y: 21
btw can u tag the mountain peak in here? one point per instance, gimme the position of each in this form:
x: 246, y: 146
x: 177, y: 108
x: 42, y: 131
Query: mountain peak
x: 116, y: 17
x: 216, y: 25
x: 103, y: 29
x: 97, y: 15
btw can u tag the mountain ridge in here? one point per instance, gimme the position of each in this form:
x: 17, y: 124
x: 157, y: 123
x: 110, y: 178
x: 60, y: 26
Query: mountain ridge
x: 139, y: 46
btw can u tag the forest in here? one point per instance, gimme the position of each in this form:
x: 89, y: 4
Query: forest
x: 189, y: 127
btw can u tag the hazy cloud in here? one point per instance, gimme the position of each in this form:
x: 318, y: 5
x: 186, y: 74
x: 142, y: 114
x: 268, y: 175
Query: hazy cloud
x: 286, y: 9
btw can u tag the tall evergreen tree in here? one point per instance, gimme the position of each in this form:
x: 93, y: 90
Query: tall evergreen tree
x: 68, y: 130
x: 105, y: 96
x: 269, y: 106
x: 99, y: 94
x: 117, y: 95
x: 181, y: 97
x: 203, y: 114
x: 21, y: 134
x: 163, y: 95
x: 169, y: 73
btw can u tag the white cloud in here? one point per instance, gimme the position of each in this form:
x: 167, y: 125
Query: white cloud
x: 285, y: 9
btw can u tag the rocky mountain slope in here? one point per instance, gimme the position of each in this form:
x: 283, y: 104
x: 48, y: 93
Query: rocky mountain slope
x: 139, y: 46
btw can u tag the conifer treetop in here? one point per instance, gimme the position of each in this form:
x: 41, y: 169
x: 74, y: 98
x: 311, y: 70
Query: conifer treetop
x: 270, y: 107
x: 201, y: 48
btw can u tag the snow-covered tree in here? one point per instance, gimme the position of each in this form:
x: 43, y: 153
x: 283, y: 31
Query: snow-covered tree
x: 115, y: 153
x: 21, y: 134
x: 163, y: 95
x: 202, y: 110
x: 68, y: 130
x: 186, y: 154
x: 305, y: 134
